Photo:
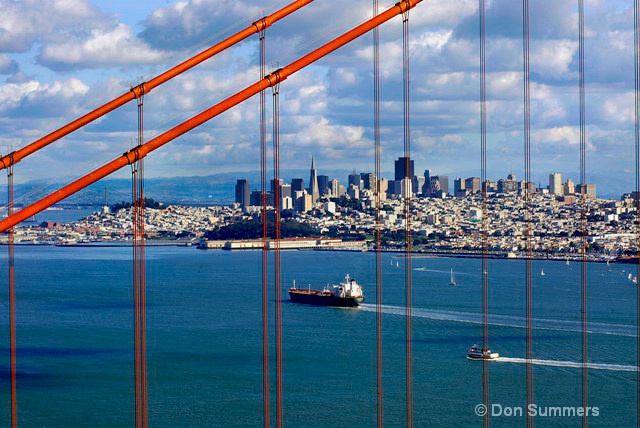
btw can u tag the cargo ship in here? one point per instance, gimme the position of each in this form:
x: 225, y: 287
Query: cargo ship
x: 344, y: 294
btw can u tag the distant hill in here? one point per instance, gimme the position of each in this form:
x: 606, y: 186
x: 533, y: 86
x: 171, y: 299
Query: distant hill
x: 218, y: 189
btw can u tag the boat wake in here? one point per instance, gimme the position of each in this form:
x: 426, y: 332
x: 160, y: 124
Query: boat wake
x: 572, y: 364
x: 508, y: 320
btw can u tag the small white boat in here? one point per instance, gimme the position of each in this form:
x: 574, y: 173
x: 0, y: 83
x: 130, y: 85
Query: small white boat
x: 567, y: 261
x: 629, y: 277
x: 542, y: 272
x: 634, y: 279
x: 397, y: 264
x: 452, y: 281
x: 477, y: 353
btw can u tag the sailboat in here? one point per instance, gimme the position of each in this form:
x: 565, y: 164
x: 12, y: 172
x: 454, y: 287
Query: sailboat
x: 567, y: 261
x: 397, y: 264
x: 542, y: 272
x: 608, y: 267
x: 452, y: 281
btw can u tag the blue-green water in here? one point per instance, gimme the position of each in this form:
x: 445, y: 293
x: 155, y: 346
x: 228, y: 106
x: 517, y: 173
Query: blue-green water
x: 75, y: 340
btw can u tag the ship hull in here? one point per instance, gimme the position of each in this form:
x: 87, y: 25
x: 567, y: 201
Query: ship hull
x: 320, y: 298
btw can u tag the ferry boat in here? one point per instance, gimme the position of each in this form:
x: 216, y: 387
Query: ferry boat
x: 477, y: 353
x: 346, y: 294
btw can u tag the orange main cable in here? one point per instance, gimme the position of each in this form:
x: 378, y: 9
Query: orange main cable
x: 146, y: 87
x: 143, y: 150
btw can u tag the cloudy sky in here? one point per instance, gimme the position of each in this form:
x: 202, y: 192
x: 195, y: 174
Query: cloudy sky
x: 61, y: 58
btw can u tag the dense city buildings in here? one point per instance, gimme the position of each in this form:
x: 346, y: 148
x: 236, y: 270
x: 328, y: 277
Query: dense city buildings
x: 440, y: 222
x: 243, y: 193
x: 555, y: 184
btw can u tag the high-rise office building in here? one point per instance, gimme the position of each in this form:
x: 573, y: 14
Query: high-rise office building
x: 569, y: 187
x: 507, y: 186
x: 313, y: 183
x: 256, y: 198
x: 354, y: 179
x: 273, y: 185
x: 589, y: 189
x: 323, y: 184
x: 285, y: 191
x: 368, y: 180
x: 555, y: 184
x: 297, y: 185
x: 337, y: 189
x: 243, y: 193
x: 405, y: 188
x: 401, y: 170
x: 426, y: 187
x: 443, y: 181
x: 418, y: 184
x: 472, y: 184
x: 434, y: 186
x: 459, y: 188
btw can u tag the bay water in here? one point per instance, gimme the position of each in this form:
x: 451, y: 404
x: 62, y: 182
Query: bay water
x: 204, y: 340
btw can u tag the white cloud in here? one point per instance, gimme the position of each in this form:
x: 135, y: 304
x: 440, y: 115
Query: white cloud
x: 110, y: 48
x: 25, y: 23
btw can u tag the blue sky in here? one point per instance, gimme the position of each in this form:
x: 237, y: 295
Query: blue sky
x: 62, y: 58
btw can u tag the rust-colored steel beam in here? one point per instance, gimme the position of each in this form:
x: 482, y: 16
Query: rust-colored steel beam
x: 146, y: 87
x: 141, y: 151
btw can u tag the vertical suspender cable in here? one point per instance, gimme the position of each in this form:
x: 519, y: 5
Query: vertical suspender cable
x: 527, y: 207
x: 139, y: 294
x: 407, y: 212
x: 485, y: 219
x: 142, y: 268
x: 265, y: 248
x: 583, y: 217
x: 12, y: 304
x: 636, y: 23
x: 376, y: 138
x: 276, y: 240
x: 136, y: 296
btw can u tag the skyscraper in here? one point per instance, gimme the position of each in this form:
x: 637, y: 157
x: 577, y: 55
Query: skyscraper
x: 297, y: 185
x: 354, y: 179
x: 443, y: 186
x: 368, y: 180
x: 473, y: 184
x: 569, y: 187
x: 555, y: 184
x: 459, y: 189
x: 313, y: 183
x: 426, y: 188
x: 243, y: 193
x: 401, y: 169
x: 323, y: 184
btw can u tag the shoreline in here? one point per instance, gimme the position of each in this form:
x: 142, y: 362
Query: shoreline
x: 399, y: 253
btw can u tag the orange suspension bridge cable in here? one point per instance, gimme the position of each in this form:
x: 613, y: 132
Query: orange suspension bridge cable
x: 146, y: 87
x: 159, y: 141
